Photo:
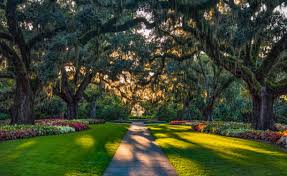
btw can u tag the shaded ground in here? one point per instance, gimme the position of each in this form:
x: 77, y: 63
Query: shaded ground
x: 84, y: 153
x: 210, y: 155
x: 138, y: 155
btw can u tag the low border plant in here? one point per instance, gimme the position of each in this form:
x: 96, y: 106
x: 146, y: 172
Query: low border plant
x: 240, y: 130
x: 42, y: 128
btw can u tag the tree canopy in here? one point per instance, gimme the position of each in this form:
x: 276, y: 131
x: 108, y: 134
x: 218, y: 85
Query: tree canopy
x: 183, y: 55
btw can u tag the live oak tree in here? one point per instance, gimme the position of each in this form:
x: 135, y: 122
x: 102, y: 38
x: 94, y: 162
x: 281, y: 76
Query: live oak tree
x: 23, y: 26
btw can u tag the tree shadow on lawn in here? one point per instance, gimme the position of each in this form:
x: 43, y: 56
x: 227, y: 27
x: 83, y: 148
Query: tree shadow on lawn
x: 82, y: 153
x: 141, y: 156
x: 206, y: 154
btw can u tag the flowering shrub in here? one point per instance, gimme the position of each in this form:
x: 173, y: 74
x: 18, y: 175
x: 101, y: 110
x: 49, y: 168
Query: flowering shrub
x: 23, y: 131
x: 78, y: 125
x: 280, y: 127
x: 241, y: 130
x: 282, y: 141
x: 270, y: 136
x: 16, y: 134
x: 177, y: 122
x: 65, y: 129
x: 199, y: 127
x: 41, y: 128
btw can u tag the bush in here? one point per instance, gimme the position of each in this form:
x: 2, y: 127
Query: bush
x: 78, y: 125
x: 241, y: 130
x: 51, y: 107
x: 9, y: 132
x: 111, y: 108
x: 167, y: 112
x: 42, y: 128
x: 16, y: 134
x: 199, y: 127
x: 280, y: 127
x: 65, y: 129
x: 270, y: 136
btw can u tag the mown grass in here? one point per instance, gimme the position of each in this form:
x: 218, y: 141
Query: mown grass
x: 77, y: 154
x: 202, y: 154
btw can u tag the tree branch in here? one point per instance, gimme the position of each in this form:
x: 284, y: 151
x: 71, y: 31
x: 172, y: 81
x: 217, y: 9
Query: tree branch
x: 8, y: 52
x: 273, y: 57
x: 65, y: 91
x: 109, y: 28
x: 87, y: 80
x: 176, y: 57
x: 42, y: 35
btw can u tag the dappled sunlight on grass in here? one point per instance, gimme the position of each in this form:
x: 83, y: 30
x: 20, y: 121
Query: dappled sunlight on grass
x: 86, y: 141
x: 161, y: 135
x: 198, y: 170
x: 72, y: 173
x: 19, y: 149
x: 26, y: 144
x: 111, y: 147
x: 14, y: 155
x: 170, y: 142
x: 194, y: 153
x: 224, y: 144
x: 83, y: 154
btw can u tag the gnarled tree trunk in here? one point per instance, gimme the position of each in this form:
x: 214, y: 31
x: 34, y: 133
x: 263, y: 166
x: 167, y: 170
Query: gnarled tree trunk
x: 262, y: 112
x: 72, y: 110
x: 22, y: 110
x: 207, y: 113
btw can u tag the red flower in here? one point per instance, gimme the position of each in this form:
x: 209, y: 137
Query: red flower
x: 177, y: 122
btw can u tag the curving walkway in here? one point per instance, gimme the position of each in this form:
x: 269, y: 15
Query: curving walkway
x: 139, y: 155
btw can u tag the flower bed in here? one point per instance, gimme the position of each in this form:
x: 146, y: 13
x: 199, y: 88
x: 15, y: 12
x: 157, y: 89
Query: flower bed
x: 241, y: 130
x: 41, y: 128
x: 280, y: 127
x: 9, y: 132
x: 76, y: 124
x: 178, y: 122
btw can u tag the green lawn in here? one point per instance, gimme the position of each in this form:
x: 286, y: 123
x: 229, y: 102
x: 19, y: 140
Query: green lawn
x: 201, y: 154
x: 84, y: 153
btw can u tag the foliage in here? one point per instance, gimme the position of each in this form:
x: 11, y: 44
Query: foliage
x: 167, y: 111
x: 280, y: 127
x: 110, y: 107
x: 49, y: 107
